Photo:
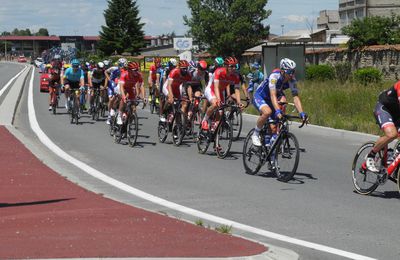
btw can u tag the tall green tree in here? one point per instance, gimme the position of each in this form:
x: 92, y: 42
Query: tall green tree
x: 374, y: 30
x: 228, y: 27
x: 123, y: 30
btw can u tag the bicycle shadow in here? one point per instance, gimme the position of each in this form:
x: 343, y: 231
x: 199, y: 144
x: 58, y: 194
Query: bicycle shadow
x: 385, y: 194
x: 295, y: 180
x: 6, y: 205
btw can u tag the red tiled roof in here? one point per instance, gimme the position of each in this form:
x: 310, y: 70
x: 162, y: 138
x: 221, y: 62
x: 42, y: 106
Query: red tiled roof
x: 29, y: 38
x: 91, y: 38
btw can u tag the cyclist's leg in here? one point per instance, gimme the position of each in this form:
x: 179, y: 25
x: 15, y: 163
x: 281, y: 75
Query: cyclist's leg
x: 265, y: 112
x: 67, y: 88
x: 385, y: 120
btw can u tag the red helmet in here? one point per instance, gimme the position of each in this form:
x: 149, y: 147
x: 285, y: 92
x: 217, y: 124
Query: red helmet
x: 133, y: 65
x: 231, y: 61
x: 202, y: 64
x: 183, y: 64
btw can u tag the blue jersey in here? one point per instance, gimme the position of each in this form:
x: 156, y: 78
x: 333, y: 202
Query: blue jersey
x: 256, y: 77
x: 72, y: 76
x: 275, y: 82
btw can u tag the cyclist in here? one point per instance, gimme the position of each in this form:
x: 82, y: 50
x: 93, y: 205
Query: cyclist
x: 53, y: 82
x: 198, y: 81
x: 112, y: 76
x: 387, y: 115
x: 84, y: 89
x: 72, y: 79
x: 154, y: 78
x: 270, y: 91
x: 174, y: 88
x: 255, y: 78
x: 131, y: 80
x: 171, y: 65
x: 96, y: 81
x: 222, y: 78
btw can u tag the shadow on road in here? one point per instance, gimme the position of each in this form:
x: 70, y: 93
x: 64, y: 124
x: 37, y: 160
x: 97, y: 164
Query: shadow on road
x: 386, y: 194
x: 6, y: 205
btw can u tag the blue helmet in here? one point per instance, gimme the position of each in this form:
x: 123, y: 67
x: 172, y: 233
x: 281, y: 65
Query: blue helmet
x: 255, y: 65
x: 75, y: 62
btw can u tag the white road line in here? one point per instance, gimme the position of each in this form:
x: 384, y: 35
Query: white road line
x: 11, y: 80
x: 202, y: 215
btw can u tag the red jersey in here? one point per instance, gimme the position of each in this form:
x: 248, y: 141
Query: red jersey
x: 178, y: 79
x: 224, y: 79
x: 153, y: 72
x: 130, y: 79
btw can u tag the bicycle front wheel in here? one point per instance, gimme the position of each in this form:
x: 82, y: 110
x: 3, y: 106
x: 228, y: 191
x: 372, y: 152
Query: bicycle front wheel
x: 223, y: 139
x: 364, y: 181
x: 133, y: 129
x: 287, y: 156
x: 252, y: 155
x: 237, y: 124
x: 162, y: 131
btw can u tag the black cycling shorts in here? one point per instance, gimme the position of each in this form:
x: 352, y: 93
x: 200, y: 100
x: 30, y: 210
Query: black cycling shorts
x: 384, y: 117
x: 72, y: 84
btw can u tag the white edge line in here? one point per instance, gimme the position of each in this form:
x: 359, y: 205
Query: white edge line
x: 11, y: 80
x: 122, y: 186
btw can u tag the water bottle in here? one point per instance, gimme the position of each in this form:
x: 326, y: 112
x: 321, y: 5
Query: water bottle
x: 267, y: 140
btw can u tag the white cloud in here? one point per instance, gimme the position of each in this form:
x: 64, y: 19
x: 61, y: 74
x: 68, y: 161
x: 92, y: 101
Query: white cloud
x: 168, y: 24
x: 295, y: 18
x: 147, y: 21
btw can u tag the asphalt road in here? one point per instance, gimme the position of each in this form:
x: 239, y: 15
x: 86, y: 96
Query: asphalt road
x: 318, y: 206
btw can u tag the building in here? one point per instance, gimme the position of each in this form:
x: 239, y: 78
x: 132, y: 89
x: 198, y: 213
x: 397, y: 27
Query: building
x: 358, y: 9
x: 328, y: 19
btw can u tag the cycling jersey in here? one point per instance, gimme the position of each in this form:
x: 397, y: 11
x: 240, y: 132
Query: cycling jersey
x: 153, y: 71
x: 130, y: 78
x: 74, y: 76
x: 177, y: 80
x: 224, y: 79
x: 391, y: 99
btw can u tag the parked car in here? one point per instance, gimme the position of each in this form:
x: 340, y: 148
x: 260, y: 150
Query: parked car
x: 38, y: 62
x: 21, y: 59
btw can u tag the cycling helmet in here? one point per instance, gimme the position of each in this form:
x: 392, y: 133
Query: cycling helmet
x: 287, y: 64
x: 172, y: 62
x: 192, y: 64
x: 100, y: 65
x: 48, y: 66
x: 231, y: 61
x: 184, y: 64
x: 238, y: 66
x: 133, y: 65
x: 106, y: 63
x: 219, y: 61
x: 75, y: 62
x: 202, y: 65
x: 57, y: 57
x: 255, y: 65
x: 122, y: 62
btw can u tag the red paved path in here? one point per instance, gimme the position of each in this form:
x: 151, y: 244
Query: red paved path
x: 43, y: 215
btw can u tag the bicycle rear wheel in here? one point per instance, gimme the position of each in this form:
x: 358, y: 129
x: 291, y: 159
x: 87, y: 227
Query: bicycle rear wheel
x: 252, y: 155
x: 287, y: 156
x: 223, y: 139
x: 133, y: 129
x: 364, y: 181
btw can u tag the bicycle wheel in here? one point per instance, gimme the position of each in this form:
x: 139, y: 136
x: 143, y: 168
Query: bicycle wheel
x: 53, y: 102
x: 113, y: 122
x: 252, y: 155
x: 237, y: 124
x: 178, y: 131
x: 223, y: 139
x: 203, y: 141
x: 287, y: 156
x: 364, y: 181
x: 76, y: 111
x: 118, y: 133
x: 133, y: 128
x: 162, y: 131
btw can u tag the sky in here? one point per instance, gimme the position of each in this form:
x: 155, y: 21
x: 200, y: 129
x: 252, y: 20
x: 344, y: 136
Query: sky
x: 85, y: 17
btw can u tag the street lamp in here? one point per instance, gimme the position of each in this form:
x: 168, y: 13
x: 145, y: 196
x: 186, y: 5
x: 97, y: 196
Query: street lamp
x: 282, y: 28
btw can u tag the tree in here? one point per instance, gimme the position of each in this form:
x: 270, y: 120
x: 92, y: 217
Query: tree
x: 227, y: 27
x: 374, y: 30
x: 42, y: 32
x: 123, y: 30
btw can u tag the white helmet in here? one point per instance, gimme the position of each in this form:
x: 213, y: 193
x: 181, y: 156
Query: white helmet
x: 57, y: 57
x: 100, y: 65
x: 287, y: 64
x: 106, y: 63
x: 122, y: 62
x: 173, y: 61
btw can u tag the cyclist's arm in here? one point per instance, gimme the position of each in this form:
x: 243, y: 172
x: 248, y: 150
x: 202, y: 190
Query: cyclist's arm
x: 295, y: 94
x: 274, y: 99
x: 122, y: 90
x: 142, y: 92
x: 90, y: 79
x: 216, y: 90
x: 158, y: 79
x: 169, y: 87
x: 82, y: 79
x: 149, y: 79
